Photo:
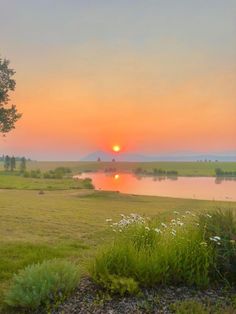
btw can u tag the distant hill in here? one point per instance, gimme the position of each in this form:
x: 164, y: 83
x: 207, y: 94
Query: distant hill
x: 104, y: 156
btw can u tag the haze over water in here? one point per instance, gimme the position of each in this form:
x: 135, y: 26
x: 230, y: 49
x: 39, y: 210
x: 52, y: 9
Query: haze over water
x: 205, y: 188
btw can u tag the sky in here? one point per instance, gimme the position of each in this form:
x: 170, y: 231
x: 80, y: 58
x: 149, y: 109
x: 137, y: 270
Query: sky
x: 151, y: 76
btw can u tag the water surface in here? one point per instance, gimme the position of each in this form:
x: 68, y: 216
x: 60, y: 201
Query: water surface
x: 206, y: 188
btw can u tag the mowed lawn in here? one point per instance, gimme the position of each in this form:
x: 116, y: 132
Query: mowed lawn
x: 70, y: 223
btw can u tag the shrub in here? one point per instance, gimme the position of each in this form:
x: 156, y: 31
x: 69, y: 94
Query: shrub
x: 39, y: 284
x: 219, y: 229
x: 120, y: 285
x: 87, y: 183
x: 167, y: 254
x: 189, y: 307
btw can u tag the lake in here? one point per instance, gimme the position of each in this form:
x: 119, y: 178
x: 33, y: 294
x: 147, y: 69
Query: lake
x: 206, y: 188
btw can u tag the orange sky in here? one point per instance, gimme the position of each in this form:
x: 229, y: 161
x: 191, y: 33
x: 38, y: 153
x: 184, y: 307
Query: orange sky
x: 167, y: 95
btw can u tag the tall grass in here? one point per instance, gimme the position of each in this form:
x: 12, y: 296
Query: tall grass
x: 219, y: 229
x: 152, y: 253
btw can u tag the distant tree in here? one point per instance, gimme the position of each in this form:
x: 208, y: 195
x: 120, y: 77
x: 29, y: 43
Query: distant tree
x: 7, y: 162
x: 99, y: 159
x: 23, y: 164
x: 8, y: 114
x: 113, y: 160
x: 13, y: 163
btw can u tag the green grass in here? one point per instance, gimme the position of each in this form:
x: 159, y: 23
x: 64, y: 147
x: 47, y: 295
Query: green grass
x: 169, y: 256
x: 70, y: 224
x: 183, y: 168
x: 11, y: 181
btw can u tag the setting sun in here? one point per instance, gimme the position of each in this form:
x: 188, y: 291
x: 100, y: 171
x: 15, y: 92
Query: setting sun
x: 116, y: 148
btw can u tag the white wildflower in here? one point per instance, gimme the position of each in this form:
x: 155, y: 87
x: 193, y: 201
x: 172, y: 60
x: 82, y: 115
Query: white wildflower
x: 108, y: 220
x: 175, y: 212
x: 158, y: 230
x: 164, y: 225
x: 213, y: 239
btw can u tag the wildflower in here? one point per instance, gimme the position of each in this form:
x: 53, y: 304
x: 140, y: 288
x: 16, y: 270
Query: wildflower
x: 203, y: 243
x: 158, y: 230
x: 147, y: 228
x: 209, y: 216
x: 173, y: 230
x: 183, y: 216
x: 174, y: 234
x: 173, y: 220
x: 175, y: 212
x: 120, y: 230
x: 215, y: 239
x: 108, y: 219
x: 188, y: 212
x: 180, y: 223
x: 164, y: 225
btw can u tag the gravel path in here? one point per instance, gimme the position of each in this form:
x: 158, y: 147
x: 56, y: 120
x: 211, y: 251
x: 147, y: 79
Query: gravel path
x: 89, y: 299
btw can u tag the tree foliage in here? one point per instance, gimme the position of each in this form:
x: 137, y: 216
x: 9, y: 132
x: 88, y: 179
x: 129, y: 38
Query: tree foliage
x: 8, y: 114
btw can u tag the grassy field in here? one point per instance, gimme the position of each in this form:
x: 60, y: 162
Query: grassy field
x: 183, y: 168
x: 70, y: 223
x: 18, y: 182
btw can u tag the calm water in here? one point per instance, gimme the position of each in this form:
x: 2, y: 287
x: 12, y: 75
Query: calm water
x: 206, y: 188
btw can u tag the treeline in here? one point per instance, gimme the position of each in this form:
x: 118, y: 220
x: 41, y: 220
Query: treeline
x: 220, y: 173
x: 57, y: 173
x: 156, y: 172
x: 10, y: 163
x: 17, y: 158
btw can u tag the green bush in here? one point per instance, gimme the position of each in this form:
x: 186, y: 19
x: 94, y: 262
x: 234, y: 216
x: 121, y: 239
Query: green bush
x: 189, y: 307
x: 87, y: 183
x: 167, y: 254
x: 36, y: 174
x: 219, y: 229
x: 119, y: 285
x: 40, y: 284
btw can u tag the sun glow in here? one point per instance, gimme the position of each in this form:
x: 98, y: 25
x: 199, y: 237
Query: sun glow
x: 116, y: 148
x: 116, y: 176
